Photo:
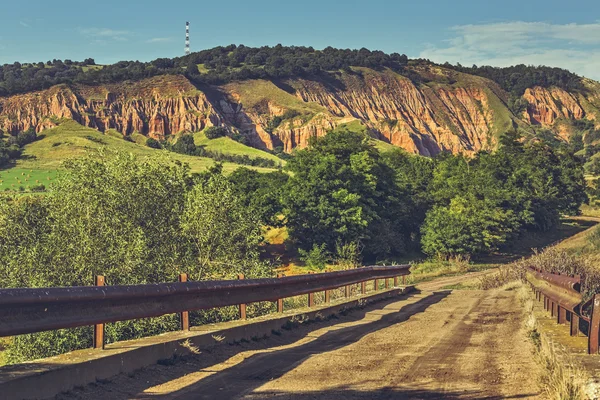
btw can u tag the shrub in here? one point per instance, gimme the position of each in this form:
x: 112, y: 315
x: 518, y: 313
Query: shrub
x: 153, y: 143
x: 317, y: 257
x: 213, y: 132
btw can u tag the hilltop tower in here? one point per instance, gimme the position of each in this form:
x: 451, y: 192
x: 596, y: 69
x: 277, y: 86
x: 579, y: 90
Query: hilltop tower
x: 187, y: 38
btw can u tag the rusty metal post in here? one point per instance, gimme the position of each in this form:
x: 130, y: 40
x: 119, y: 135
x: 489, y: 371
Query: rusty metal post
x: 311, y: 299
x: 279, y: 301
x: 363, y: 287
x: 242, y: 306
x: 574, y: 324
x: 395, y: 281
x: 99, y: 328
x: 184, y: 317
x: 562, y: 315
x: 594, y: 330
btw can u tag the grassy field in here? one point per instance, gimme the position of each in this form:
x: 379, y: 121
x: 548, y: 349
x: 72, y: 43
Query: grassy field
x: 227, y: 145
x: 15, y: 178
x: 42, y: 158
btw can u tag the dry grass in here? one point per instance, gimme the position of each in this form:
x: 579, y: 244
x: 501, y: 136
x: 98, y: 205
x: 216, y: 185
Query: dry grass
x: 562, y: 378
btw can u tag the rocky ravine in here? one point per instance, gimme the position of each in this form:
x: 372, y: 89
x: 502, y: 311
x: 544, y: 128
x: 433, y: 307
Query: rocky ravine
x: 453, y: 112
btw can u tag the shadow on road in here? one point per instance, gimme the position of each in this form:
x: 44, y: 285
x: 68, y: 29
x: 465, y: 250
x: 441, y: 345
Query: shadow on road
x: 258, y: 369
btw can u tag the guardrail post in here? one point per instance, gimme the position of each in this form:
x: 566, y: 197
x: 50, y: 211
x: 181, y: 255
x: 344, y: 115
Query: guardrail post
x: 99, y: 328
x: 242, y: 306
x: 562, y: 314
x: 347, y: 291
x: 553, y: 310
x: 387, y: 283
x: 376, y: 284
x: 594, y: 332
x: 279, y: 301
x: 574, y: 324
x: 327, y: 296
x: 363, y: 287
x: 395, y: 281
x: 311, y: 297
x: 184, y: 317
x: 403, y: 280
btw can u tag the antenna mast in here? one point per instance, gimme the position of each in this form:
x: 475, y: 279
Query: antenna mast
x: 187, y: 38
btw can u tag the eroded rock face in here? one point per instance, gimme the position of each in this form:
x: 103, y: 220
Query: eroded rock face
x: 464, y: 115
x: 169, y: 108
x: 548, y: 105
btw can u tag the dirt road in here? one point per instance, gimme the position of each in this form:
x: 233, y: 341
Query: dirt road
x: 461, y: 344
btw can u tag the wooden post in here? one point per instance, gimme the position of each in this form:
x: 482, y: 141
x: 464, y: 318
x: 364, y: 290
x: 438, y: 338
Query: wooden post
x: 99, y: 328
x: 395, y: 281
x: 403, y: 280
x: 311, y: 299
x: 184, y: 316
x: 387, y: 283
x: 327, y: 296
x: 347, y: 291
x: 363, y: 287
x: 376, y: 285
x: 242, y: 306
x: 279, y: 301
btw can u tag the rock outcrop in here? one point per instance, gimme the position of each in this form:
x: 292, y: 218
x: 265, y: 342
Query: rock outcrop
x: 449, y: 112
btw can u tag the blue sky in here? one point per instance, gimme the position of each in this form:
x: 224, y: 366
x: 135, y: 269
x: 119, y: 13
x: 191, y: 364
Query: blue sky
x: 549, y: 32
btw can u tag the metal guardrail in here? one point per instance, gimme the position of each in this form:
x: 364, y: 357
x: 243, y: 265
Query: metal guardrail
x: 562, y: 297
x: 35, y: 310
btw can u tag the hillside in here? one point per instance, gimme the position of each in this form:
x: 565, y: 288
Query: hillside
x: 417, y: 105
x: 43, y: 158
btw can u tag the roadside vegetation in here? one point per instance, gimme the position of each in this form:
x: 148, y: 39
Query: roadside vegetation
x: 136, y: 216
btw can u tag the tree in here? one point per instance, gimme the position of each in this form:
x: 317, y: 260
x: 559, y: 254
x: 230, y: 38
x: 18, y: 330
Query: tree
x: 213, y: 132
x: 185, y: 145
x: 341, y: 191
x: 153, y: 143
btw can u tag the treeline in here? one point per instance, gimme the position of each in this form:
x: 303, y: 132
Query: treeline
x: 230, y: 63
x: 516, y: 79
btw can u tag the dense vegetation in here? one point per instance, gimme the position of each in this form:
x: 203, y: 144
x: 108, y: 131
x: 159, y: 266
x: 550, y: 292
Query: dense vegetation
x: 229, y: 63
x: 341, y: 200
x: 12, y: 146
x: 518, y: 78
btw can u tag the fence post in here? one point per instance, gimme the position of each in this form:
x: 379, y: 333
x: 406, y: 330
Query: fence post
x: 347, y: 291
x: 99, y: 328
x: 594, y: 326
x: 327, y: 296
x: 387, y: 283
x: 242, y: 306
x: 403, y: 280
x: 395, y: 281
x: 376, y: 284
x: 279, y: 301
x: 311, y: 297
x: 363, y: 287
x: 184, y: 316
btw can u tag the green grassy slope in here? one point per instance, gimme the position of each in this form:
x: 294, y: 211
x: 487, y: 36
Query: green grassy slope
x: 227, y: 145
x: 71, y: 140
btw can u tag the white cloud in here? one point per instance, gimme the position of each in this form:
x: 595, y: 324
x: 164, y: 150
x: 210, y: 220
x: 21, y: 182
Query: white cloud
x: 159, y: 40
x: 104, y: 34
x: 572, y: 46
x: 25, y: 24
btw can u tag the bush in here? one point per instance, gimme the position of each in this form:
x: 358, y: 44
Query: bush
x: 213, y: 132
x: 317, y: 257
x: 153, y: 143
